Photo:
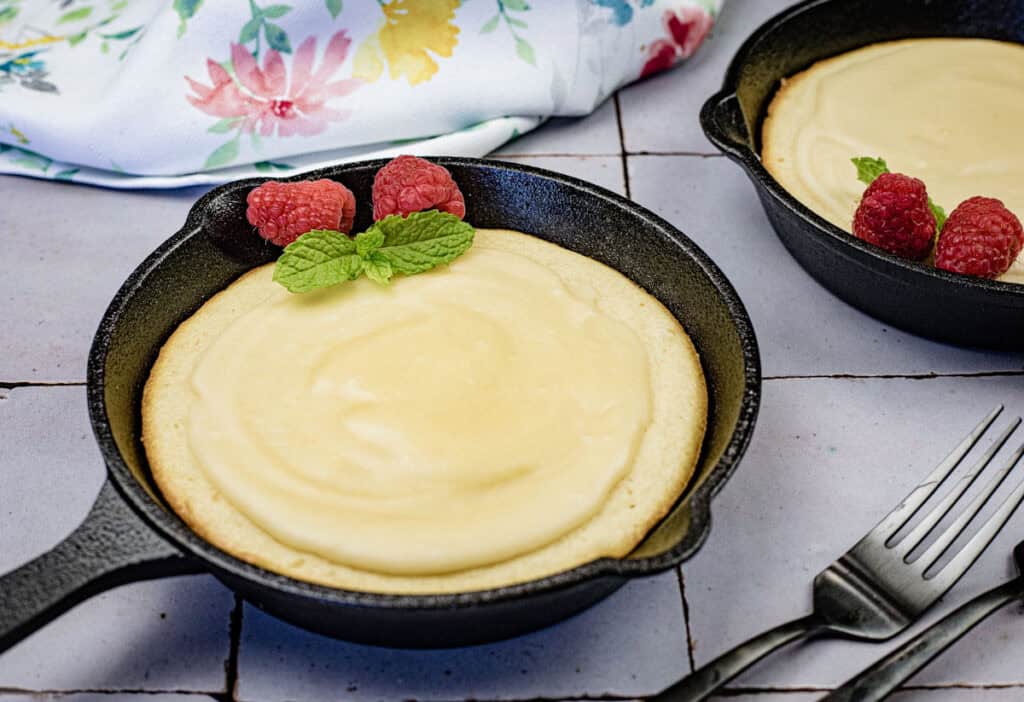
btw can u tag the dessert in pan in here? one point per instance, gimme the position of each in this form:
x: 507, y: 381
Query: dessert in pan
x: 422, y: 407
x: 944, y: 115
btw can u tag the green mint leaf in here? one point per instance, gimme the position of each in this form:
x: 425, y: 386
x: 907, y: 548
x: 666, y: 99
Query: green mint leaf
x: 869, y: 168
x: 369, y: 241
x: 377, y: 268
x: 423, y: 240
x: 940, y: 215
x: 318, y: 259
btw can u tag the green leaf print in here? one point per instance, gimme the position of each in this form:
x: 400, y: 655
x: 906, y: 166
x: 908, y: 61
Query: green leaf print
x: 275, y: 11
x: 223, y: 154
x: 525, y: 51
x: 517, y: 22
x: 490, y: 25
x: 223, y: 126
x: 334, y: 7
x: 75, y: 15
x: 277, y: 38
x: 516, y: 5
x: 76, y: 38
x: 67, y: 174
x: 250, y: 30
x: 268, y: 166
x: 126, y: 34
x: 8, y: 13
x: 186, y: 9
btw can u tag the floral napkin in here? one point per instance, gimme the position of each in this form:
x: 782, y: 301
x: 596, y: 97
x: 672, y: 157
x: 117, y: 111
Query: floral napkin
x: 169, y: 93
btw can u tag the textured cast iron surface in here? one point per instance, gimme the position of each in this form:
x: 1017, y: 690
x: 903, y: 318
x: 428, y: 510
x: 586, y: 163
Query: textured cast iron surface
x: 110, y: 548
x: 216, y: 245
x: 920, y: 299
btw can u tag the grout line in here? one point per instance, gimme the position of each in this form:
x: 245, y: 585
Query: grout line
x: 686, y: 618
x: 898, y: 376
x: 12, y: 384
x: 724, y: 692
x: 231, y: 664
x: 623, y: 154
x: 691, y: 154
x: 588, y: 154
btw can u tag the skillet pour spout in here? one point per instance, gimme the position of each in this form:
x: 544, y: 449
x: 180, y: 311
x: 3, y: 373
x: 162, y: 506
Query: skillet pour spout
x: 923, y: 300
x: 131, y: 534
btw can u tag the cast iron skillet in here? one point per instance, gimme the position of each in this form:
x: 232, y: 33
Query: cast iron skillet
x: 926, y: 301
x: 131, y: 535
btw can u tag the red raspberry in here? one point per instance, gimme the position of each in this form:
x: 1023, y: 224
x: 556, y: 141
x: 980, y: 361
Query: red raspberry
x: 981, y: 237
x: 893, y: 214
x: 410, y: 184
x: 285, y: 211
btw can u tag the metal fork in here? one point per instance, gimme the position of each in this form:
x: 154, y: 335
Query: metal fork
x: 876, y: 590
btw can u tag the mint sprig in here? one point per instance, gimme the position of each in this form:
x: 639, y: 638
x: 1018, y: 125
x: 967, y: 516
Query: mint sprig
x: 869, y: 168
x: 406, y: 245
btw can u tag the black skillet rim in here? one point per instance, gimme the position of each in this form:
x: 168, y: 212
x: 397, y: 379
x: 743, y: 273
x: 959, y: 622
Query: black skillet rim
x: 888, y: 264
x: 174, y: 530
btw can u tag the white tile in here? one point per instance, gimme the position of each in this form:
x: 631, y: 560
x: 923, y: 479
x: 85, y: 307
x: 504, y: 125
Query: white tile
x: 802, y: 328
x: 829, y: 458
x: 629, y: 644
x: 66, y: 249
x: 596, y: 133
x: 104, y: 697
x: 161, y: 635
x: 605, y: 171
x: 660, y: 113
x: 959, y: 694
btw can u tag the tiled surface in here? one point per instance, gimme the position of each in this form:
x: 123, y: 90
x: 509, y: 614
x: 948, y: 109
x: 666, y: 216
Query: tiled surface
x: 628, y: 645
x: 162, y: 635
x: 802, y: 328
x: 830, y: 455
x: 596, y: 133
x: 104, y: 697
x: 660, y: 114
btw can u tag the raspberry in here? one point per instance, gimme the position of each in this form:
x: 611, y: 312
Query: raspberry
x: 410, y: 184
x: 893, y: 214
x: 285, y: 211
x: 981, y: 237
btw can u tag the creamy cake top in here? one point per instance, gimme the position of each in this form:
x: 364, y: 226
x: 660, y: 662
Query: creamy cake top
x: 947, y: 111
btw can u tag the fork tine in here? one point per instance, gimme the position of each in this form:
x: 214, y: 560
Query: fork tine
x: 937, y: 549
x: 948, y: 576
x: 924, y: 527
x: 887, y: 528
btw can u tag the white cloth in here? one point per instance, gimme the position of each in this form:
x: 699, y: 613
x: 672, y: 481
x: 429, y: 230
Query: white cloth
x: 169, y: 93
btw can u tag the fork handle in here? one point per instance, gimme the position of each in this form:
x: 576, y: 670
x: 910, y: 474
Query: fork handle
x: 701, y: 684
x: 882, y: 678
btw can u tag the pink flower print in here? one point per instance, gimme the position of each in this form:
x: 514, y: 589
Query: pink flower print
x: 263, y: 99
x: 687, y: 28
x: 662, y: 55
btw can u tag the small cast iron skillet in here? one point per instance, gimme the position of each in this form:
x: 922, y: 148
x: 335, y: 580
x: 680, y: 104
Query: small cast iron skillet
x: 130, y: 534
x: 923, y: 300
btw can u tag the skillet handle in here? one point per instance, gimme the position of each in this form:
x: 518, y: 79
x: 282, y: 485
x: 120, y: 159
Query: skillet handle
x: 110, y: 548
x: 725, y: 125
